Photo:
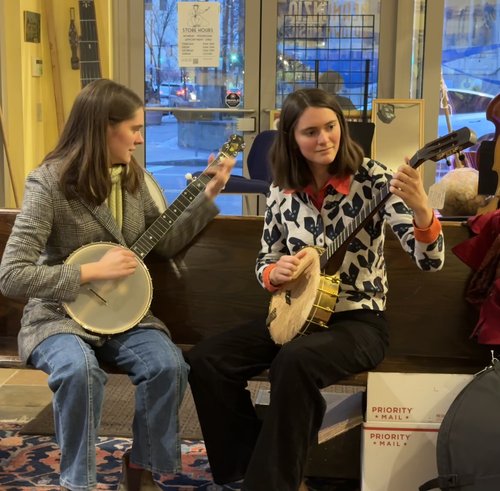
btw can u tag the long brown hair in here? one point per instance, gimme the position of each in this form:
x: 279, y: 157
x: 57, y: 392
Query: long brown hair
x: 289, y: 167
x: 82, y: 148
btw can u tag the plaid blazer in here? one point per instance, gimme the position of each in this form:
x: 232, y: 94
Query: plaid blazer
x: 50, y: 227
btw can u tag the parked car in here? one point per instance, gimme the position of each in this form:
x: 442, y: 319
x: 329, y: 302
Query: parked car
x: 177, y: 94
x: 468, y: 108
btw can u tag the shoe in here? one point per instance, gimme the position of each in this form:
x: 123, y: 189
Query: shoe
x: 135, y: 479
x: 303, y: 486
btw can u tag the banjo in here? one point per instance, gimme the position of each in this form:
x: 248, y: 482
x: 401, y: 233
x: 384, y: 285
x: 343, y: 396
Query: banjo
x: 305, y: 303
x: 114, y: 306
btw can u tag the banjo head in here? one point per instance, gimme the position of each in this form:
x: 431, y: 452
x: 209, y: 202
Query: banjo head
x: 109, y: 306
x: 155, y: 191
x: 290, y: 307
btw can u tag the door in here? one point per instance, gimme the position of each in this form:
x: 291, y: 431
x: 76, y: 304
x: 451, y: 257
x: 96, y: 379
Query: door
x: 213, y: 69
x: 196, y: 71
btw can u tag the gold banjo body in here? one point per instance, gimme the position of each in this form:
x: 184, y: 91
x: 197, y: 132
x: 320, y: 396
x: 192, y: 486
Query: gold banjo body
x: 306, y: 303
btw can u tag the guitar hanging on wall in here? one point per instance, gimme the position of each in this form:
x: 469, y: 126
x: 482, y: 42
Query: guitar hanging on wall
x: 73, y: 40
x: 90, y: 66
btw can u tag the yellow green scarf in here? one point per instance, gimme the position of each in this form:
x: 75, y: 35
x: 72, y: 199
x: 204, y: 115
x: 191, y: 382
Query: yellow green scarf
x: 115, y: 202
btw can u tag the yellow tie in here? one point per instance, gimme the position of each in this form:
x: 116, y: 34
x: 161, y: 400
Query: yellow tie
x: 115, y: 196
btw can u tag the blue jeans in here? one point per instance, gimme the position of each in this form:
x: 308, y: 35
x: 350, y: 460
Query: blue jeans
x: 157, y: 369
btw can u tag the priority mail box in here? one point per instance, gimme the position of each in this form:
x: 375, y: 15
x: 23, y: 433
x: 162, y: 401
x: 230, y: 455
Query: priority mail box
x: 398, y: 457
x: 411, y: 397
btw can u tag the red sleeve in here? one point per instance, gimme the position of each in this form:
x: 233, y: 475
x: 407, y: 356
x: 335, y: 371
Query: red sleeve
x: 266, y: 280
x: 430, y: 234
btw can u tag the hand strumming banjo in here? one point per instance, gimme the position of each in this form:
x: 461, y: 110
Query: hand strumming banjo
x: 113, y: 306
x: 306, y: 303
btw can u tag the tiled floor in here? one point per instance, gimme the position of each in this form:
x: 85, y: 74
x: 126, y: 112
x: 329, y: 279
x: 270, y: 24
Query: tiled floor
x: 23, y: 394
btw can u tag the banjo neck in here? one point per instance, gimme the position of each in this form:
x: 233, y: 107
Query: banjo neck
x: 333, y: 255
x: 435, y: 150
x: 156, y: 231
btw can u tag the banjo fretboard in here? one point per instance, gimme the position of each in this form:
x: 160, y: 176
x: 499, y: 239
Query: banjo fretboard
x: 155, y: 232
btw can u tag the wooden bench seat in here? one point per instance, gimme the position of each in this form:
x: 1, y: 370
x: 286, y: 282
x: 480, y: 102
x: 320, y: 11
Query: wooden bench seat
x: 213, y: 288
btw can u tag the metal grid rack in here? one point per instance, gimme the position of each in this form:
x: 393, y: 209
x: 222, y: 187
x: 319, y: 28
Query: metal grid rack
x: 313, y: 47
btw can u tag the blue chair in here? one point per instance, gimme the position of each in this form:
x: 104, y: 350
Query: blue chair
x: 362, y: 133
x: 258, y: 169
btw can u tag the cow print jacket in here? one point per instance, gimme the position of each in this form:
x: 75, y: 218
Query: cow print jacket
x: 292, y: 221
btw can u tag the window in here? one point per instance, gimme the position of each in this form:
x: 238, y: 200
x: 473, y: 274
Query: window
x: 332, y: 46
x: 470, y: 75
x: 179, y: 137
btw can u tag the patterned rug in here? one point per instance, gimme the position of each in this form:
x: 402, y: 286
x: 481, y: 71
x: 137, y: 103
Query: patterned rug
x: 32, y: 462
x: 29, y: 455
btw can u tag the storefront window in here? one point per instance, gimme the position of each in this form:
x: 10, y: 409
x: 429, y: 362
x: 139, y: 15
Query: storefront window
x: 470, y: 74
x: 331, y: 45
x: 187, y: 97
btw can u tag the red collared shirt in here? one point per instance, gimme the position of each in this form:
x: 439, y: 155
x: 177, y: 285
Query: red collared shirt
x: 340, y: 184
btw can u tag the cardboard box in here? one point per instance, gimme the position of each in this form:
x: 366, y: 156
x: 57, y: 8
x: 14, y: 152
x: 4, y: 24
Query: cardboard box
x: 411, y: 397
x: 398, y: 457
x: 338, y: 451
x: 344, y: 411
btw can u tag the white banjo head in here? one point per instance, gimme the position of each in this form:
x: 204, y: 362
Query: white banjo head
x: 109, y: 306
x: 155, y: 191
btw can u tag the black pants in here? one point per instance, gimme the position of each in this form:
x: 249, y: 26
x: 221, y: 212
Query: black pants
x: 272, y: 455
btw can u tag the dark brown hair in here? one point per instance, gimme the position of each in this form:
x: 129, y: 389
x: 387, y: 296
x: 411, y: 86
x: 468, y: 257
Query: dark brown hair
x: 82, y: 148
x: 289, y: 167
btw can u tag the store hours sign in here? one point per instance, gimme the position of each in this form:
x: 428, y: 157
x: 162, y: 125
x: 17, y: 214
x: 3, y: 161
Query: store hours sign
x: 199, y: 34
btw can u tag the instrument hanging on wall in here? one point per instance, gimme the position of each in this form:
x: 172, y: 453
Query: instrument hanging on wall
x: 447, y: 109
x: 73, y: 40
x: 305, y: 304
x: 489, y: 160
x: 90, y: 66
x: 113, y: 306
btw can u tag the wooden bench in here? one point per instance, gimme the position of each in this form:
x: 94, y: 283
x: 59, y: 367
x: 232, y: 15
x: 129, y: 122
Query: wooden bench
x: 214, y: 288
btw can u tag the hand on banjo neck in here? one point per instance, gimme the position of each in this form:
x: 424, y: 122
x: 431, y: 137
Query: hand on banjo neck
x: 120, y: 262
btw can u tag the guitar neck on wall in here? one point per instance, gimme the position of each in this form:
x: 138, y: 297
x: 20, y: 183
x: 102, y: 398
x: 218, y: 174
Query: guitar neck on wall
x: 90, y: 66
